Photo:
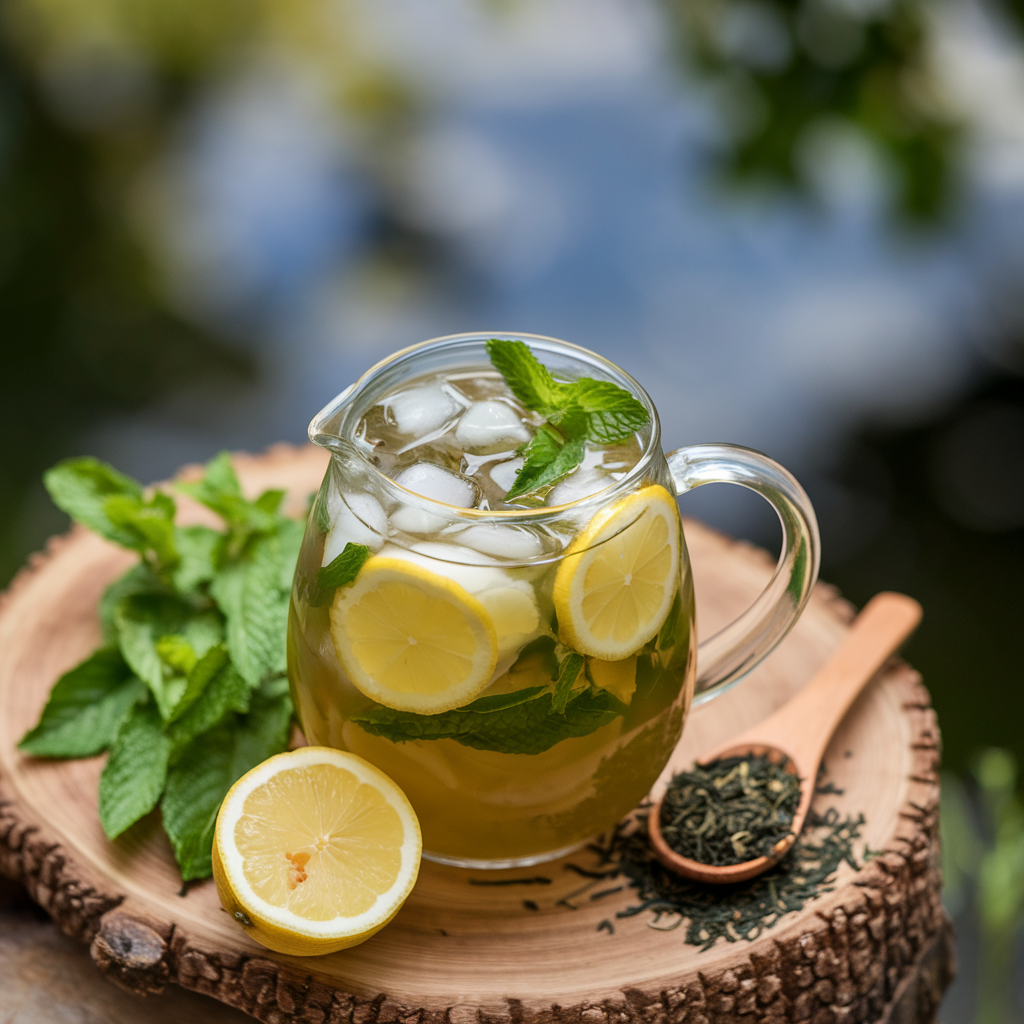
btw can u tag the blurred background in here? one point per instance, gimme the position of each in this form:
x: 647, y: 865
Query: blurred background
x: 800, y: 223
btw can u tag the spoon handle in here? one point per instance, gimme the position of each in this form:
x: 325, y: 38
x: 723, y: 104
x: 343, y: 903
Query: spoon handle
x: 804, y: 725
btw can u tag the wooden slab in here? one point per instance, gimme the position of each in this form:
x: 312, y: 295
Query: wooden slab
x: 460, y: 953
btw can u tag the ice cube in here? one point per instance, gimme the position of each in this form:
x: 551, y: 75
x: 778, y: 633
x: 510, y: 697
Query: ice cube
x: 586, y: 479
x: 490, y: 424
x: 410, y: 519
x: 423, y: 409
x: 510, y: 603
x: 511, y: 542
x: 577, y: 486
x: 355, y: 518
x: 504, y: 473
x: 470, y: 569
x: 438, y: 484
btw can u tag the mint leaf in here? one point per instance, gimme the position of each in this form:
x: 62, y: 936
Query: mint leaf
x: 248, y: 592
x: 269, y: 501
x: 198, y: 674
x: 220, y: 491
x: 146, y: 525
x: 223, y: 692
x: 86, y: 708
x: 568, y: 673
x: 578, y: 411
x: 289, y: 534
x: 209, y: 766
x: 339, y: 573
x: 672, y: 626
x: 612, y: 413
x: 528, y: 379
x: 166, y: 638
x: 529, y: 727
x: 112, y: 504
x: 547, y: 460
x: 134, y: 776
x: 219, y: 477
x: 319, y: 505
x: 176, y: 653
x: 195, y: 789
x: 139, y: 579
x: 218, y: 486
x: 545, y: 646
x: 81, y: 487
x: 197, y: 550
x: 142, y: 621
x: 657, y: 687
x: 501, y: 701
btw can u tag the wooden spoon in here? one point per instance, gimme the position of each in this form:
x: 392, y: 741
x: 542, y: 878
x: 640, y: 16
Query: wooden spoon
x: 800, y: 730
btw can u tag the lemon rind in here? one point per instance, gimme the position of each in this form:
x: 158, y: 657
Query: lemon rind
x: 338, y: 928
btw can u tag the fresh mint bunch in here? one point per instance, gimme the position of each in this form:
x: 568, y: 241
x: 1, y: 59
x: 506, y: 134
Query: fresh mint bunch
x: 188, y: 691
x: 575, y: 412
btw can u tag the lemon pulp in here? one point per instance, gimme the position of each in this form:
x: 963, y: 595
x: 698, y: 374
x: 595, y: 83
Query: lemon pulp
x: 616, y: 583
x: 315, y: 850
x: 411, y: 639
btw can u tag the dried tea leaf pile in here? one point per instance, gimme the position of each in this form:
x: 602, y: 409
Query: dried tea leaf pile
x: 730, y: 912
x: 730, y: 811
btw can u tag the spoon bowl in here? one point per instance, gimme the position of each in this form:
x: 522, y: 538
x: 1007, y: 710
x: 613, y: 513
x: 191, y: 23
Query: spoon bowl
x: 798, y: 733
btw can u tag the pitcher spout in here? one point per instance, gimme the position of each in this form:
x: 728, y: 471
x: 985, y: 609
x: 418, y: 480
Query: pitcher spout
x: 326, y: 428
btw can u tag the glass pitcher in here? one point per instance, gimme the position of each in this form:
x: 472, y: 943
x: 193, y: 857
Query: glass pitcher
x: 572, y: 726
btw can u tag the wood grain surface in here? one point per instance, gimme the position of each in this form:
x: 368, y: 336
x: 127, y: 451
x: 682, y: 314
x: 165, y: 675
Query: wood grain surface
x: 877, y: 946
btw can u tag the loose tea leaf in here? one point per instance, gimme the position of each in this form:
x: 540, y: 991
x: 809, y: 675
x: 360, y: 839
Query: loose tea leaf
x: 730, y: 811
x: 730, y: 912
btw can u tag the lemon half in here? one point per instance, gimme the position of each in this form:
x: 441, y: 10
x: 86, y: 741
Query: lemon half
x: 617, y: 581
x: 315, y: 850
x: 412, y: 639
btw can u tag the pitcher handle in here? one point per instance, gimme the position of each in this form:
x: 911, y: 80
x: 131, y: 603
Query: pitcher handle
x: 730, y: 654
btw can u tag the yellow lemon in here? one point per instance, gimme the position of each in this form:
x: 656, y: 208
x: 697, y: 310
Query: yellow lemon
x: 315, y: 850
x: 616, y: 583
x: 411, y: 639
x: 513, y: 613
x: 617, y: 677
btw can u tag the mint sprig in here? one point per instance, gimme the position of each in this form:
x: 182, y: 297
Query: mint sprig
x: 529, y: 726
x: 526, y: 721
x: 339, y: 573
x: 188, y: 691
x: 576, y: 412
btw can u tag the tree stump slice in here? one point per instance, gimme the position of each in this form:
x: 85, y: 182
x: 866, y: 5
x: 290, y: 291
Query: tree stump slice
x: 878, y: 947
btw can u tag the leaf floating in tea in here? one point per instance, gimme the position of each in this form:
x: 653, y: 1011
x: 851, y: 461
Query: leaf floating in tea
x: 730, y: 811
x: 526, y: 722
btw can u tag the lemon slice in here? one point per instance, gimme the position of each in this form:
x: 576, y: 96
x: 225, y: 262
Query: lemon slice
x: 411, y: 639
x: 617, y: 677
x: 315, y: 850
x: 616, y: 583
